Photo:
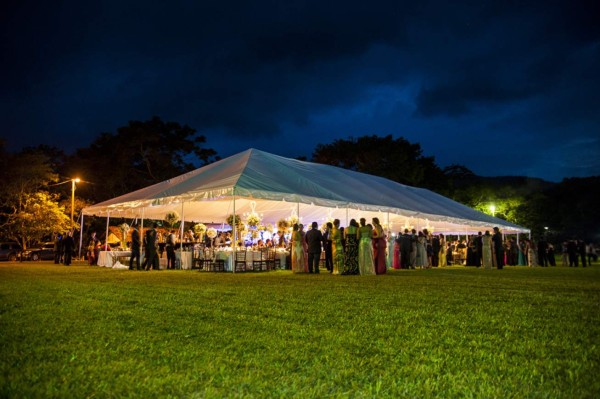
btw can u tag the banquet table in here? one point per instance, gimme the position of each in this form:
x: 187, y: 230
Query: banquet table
x: 227, y: 256
x: 185, y: 259
x: 109, y: 258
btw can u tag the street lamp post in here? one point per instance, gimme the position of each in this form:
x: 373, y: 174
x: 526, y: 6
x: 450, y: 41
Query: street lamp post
x: 73, y: 181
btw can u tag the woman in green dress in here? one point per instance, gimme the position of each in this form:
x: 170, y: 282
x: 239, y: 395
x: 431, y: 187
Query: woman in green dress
x: 351, y: 250
x: 487, y: 250
x: 337, y: 250
x: 365, y: 249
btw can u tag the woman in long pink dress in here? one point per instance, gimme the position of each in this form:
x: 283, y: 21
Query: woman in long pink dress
x: 379, y: 245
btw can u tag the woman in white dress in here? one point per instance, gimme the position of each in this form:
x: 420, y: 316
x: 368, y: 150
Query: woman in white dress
x: 297, y: 250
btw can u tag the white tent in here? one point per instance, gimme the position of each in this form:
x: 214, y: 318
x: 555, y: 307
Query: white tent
x: 277, y: 187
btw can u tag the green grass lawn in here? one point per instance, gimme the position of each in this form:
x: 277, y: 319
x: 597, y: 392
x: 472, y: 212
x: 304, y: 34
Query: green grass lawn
x: 84, y: 331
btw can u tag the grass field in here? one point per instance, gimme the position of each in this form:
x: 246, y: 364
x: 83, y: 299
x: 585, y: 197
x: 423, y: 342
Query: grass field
x: 84, y: 331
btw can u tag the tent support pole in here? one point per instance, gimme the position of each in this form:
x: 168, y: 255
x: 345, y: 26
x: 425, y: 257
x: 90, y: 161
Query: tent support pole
x: 80, y: 237
x: 182, y: 230
x: 142, y: 236
x: 234, y: 241
x: 106, y: 237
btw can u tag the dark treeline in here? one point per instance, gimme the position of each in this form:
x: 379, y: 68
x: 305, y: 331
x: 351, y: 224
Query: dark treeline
x: 147, y: 152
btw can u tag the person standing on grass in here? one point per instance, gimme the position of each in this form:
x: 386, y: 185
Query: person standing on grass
x: 68, y: 247
x: 297, y: 250
x: 413, y: 249
x: 304, y: 246
x: 564, y: 254
x: 542, y: 251
x: 57, y: 248
x: 405, y: 250
x: 531, y: 251
x: 351, y: 248
x: 581, y: 250
x: 498, y: 248
x: 365, y: 249
x: 443, y: 262
x: 327, y: 247
x: 379, y: 246
x: 151, y: 260
x: 170, y: 246
x: 550, y: 255
x: 337, y: 249
x: 486, y: 250
x: 314, y: 239
x: 135, y: 247
x: 572, y: 251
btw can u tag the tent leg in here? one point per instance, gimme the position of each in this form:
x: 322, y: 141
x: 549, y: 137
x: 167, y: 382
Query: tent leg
x: 80, y: 237
x: 234, y: 239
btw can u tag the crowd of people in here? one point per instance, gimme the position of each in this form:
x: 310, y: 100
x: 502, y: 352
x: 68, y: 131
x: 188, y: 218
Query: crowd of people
x: 359, y: 248
x: 64, y: 246
x: 356, y: 249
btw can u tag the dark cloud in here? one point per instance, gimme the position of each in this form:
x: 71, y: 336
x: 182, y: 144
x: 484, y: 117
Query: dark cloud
x: 286, y: 76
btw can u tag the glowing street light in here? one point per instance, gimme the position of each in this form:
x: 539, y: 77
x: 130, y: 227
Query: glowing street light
x: 493, y: 209
x: 73, y: 181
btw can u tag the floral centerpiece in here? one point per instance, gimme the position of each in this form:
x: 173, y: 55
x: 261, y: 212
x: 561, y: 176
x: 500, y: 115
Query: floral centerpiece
x: 211, y: 233
x: 171, y: 218
x: 239, y: 225
x: 199, y: 230
x: 292, y: 220
x: 124, y: 230
x: 253, y: 219
x: 283, y: 224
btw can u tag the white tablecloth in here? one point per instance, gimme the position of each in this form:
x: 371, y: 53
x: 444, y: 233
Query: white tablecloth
x: 185, y: 260
x: 109, y: 258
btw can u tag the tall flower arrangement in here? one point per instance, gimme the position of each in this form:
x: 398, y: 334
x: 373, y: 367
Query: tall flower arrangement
x: 124, y: 230
x: 283, y: 224
x: 199, y: 230
x: 171, y: 218
x: 239, y: 224
x: 253, y: 219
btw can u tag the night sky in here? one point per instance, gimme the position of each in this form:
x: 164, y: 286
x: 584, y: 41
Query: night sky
x: 502, y: 87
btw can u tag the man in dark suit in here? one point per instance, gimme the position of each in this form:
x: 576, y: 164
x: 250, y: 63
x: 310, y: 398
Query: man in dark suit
x: 498, y: 248
x: 479, y: 248
x: 135, y: 248
x: 68, y: 247
x: 314, y: 238
x: 435, y: 246
x: 151, y: 256
x: 542, y: 252
x: 405, y: 247
x: 327, y: 247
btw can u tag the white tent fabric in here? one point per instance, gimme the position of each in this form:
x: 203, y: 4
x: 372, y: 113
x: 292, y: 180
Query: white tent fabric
x: 278, y: 187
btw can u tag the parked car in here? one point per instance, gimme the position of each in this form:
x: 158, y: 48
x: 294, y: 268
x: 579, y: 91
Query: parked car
x: 9, y: 251
x: 43, y: 251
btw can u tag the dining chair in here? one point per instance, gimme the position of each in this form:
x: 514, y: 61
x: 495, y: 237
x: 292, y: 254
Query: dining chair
x: 260, y: 264
x: 240, y: 261
x: 273, y: 262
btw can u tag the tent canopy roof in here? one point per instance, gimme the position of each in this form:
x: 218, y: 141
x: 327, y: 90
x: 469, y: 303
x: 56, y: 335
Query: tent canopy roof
x: 278, y: 187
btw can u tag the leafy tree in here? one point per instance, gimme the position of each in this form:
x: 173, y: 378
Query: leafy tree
x: 394, y: 159
x: 39, y: 217
x: 27, y: 211
x: 136, y: 156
